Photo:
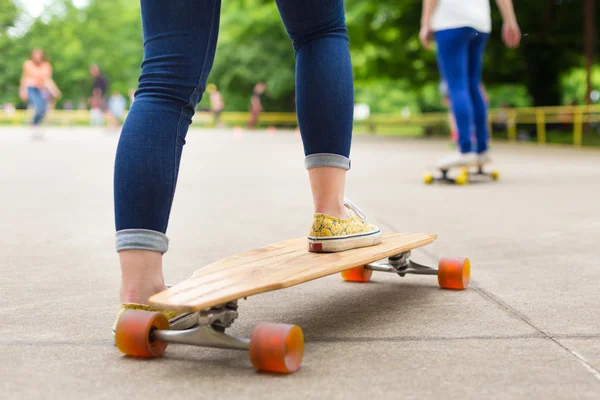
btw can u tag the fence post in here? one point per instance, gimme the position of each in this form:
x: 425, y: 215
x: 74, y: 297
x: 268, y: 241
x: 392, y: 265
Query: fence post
x: 512, y: 126
x: 540, y: 121
x: 577, y: 128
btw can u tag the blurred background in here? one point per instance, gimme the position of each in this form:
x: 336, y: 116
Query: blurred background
x: 538, y: 92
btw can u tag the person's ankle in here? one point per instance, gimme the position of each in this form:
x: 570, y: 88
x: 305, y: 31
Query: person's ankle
x: 141, y: 275
x: 139, y: 293
x: 337, y: 211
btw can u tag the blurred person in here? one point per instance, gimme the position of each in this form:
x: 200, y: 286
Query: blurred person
x: 116, y: 107
x: 180, y: 38
x: 131, y: 97
x: 216, y: 104
x: 36, y: 79
x: 68, y: 105
x: 9, y: 109
x: 49, y: 99
x: 98, y: 101
x: 448, y: 104
x: 256, y: 104
x: 461, y: 30
x: 96, y: 108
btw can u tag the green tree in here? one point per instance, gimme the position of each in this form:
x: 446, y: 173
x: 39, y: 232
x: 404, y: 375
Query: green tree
x: 391, y: 69
x: 8, y: 17
x: 253, y: 46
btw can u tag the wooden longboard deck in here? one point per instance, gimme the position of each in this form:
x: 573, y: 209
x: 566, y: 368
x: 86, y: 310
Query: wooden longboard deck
x: 274, y: 267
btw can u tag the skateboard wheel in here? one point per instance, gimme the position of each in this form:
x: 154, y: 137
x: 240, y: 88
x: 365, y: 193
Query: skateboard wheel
x: 428, y: 179
x: 454, y: 273
x: 358, y: 274
x: 495, y: 175
x: 462, y: 179
x: 133, y: 335
x: 276, y: 347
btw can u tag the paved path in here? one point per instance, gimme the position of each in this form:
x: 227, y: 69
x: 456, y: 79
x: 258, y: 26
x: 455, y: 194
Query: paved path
x: 529, y: 327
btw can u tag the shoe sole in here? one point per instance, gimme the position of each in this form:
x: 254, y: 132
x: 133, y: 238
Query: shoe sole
x: 335, y: 244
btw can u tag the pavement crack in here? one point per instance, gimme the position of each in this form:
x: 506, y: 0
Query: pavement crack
x: 582, y: 360
x: 489, y: 296
x: 416, y: 338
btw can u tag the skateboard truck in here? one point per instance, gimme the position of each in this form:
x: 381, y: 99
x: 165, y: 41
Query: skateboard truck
x: 401, y: 265
x: 209, y: 331
x: 463, y: 176
x: 452, y: 272
x: 272, y: 347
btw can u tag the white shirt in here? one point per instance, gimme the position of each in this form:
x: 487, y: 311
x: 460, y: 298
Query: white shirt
x: 450, y: 14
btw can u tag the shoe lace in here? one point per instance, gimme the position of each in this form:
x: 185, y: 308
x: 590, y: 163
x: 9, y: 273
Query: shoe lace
x: 356, y: 210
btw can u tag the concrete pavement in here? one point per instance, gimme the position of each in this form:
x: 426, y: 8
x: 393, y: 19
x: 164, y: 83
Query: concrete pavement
x: 529, y: 326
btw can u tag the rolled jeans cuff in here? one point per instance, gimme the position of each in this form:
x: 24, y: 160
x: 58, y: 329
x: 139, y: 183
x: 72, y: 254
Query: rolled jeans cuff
x: 142, y: 239
x: 327, y: 160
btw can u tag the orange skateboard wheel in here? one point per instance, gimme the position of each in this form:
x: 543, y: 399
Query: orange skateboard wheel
x: 454, y: 273
x: 358, y: 274
x: 133, y: 335
x: 277, y: 347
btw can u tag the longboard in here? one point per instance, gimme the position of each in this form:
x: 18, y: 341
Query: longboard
x: 274, y: 267
x: 213, y: 291
x: 465, y: 175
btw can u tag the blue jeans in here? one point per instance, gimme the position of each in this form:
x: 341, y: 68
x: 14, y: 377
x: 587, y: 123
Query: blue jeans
x: 180, y: 37
x: 35, y: 98
x: 460, y: 58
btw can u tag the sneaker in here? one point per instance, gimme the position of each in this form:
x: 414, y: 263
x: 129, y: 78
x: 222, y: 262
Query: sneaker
x: 177, y: 320
x: 457, y: 160
x: 483, y: 158
x: 330, y: 234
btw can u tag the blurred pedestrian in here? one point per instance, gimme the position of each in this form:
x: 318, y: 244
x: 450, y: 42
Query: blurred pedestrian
x: 451, y: 120
x: 446, y: 103
x: 256, y: 104
x: 116, y: 107
x: 96, y: 108
x: 68, y: 105
x: 461, y: 30
x: 98, y: 100
x: 131, y: 94
x: 36, y: 79
x: 216, y: 104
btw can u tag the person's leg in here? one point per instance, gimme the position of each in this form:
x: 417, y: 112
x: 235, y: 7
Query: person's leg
x: 325, y: 107
x: 39, y: 104
x: 480, y: 111
x: 180, y: 37
x: 324, y: 95
x: 452, y: 55
x: 253, y: 119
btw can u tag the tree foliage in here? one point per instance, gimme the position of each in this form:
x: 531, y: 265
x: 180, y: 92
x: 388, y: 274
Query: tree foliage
x: 391, y: 69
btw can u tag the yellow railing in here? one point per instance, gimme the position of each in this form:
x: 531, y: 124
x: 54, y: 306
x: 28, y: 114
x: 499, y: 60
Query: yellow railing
x: 575, y: 116
x: 82, y: 117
